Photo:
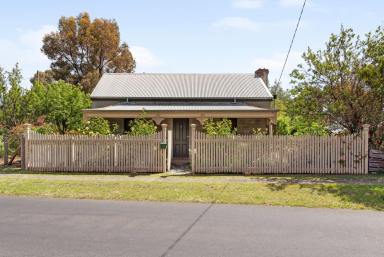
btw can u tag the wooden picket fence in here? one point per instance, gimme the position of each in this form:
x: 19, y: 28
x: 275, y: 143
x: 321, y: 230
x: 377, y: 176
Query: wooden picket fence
x: 252, y: 154
x: 80, y: 153
x: 248, y: 154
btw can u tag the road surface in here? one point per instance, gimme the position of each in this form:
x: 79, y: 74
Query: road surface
x: 57, y: 227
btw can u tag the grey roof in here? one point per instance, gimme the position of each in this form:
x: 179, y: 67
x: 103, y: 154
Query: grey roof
x: 181, y: 107
x: 179, y: 85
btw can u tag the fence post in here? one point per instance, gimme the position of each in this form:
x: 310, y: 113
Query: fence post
x: 5, y: 141
x: 22, y: 151
x: 26, y: 137
x: 72, y: 142
x: 193, y: 154
x: 115, y: 152
x: 365, y: 135
x: 164, y: 151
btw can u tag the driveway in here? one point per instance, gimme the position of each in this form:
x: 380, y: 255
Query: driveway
x: 57, y: 227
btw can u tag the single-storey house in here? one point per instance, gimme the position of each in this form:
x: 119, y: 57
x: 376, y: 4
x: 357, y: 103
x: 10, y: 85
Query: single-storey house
x: 180, y: 100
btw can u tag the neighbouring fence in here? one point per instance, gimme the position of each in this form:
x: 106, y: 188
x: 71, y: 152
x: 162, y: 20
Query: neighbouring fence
x: 376, y: 160
x: 80, y: 153
x: 280, y: 154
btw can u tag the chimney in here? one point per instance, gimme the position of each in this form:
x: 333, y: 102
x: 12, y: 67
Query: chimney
x: 263, y: 74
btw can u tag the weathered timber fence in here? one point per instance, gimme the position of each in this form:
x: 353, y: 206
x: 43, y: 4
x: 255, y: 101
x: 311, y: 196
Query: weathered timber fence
x: 209, y: 154
x: 280, y: 154
x: 376, y: 160
x: 80, y: 153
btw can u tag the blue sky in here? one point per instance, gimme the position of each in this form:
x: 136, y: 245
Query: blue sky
x: 190, y: 36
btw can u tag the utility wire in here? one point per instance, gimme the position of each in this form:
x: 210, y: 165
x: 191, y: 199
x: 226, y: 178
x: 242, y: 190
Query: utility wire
x: 293, y: 38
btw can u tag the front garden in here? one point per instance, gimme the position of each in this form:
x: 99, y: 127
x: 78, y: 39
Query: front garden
x: 352, y: 192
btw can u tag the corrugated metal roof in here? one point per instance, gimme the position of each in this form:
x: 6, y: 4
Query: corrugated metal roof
x: 182, y: 107
x: 178, y: 85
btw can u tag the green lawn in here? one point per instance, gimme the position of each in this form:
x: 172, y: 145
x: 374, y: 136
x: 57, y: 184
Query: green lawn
x: 354, y: 192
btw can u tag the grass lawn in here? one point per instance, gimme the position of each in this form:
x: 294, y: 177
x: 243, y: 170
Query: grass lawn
x: 354, y: 192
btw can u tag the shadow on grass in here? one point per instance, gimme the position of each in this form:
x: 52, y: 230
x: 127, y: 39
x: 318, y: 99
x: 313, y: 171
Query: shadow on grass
x: 17, y: 170
x: 368, y: 195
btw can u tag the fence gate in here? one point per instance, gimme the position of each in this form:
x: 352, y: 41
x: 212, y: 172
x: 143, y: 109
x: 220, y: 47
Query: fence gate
x: 80, y: 153
x: 252, y: 154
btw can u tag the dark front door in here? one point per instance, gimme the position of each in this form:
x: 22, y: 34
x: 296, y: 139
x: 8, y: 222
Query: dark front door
x: 180, y: 138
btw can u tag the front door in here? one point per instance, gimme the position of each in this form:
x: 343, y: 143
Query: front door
x: 180, y: 138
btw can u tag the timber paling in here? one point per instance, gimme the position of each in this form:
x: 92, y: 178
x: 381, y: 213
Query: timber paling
x: 235, y: 154
x: 254, y: 154
x: 376, y: 160
x: 82, y: 153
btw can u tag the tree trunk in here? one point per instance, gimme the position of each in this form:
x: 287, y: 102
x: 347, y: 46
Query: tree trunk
x: 14, y: 156
x: 5, y: 140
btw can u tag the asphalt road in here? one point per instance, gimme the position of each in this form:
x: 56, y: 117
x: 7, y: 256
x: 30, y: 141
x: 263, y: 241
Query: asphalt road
x: 56, y: 227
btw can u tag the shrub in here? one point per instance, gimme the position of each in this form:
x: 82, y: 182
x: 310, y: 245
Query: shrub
x: 142, y: 126
x: 218, y: 128
x: 46, y: 129
x: 260, y: 131
x: 95, y: 126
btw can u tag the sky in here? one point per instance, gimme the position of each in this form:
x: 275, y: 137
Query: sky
x: 190, y: 36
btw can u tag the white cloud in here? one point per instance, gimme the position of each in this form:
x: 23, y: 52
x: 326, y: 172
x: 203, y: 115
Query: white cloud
x: 240, y: 23
x: 25, y: 49
x: 275, y: 63
x: 144, y: 57
x: 248, y: 4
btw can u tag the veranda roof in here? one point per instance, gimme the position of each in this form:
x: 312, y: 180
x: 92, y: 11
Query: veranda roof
x: 181, y: 107
x: 182, y: 110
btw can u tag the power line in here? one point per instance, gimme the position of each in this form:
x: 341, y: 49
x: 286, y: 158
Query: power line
x: 293, y: 38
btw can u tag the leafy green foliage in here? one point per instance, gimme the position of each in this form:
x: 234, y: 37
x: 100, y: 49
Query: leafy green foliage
x: 46, y: 129
x: 96, y: 126
x: 341, y: 86
x: 61, y: 103
x: 142, y: 126
x: 293, y: 123
x: 218, y: 128
x: 13, y: 99
x: 93, y: 126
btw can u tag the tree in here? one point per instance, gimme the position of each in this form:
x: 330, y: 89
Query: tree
x: 289, y: 123
x: 12, y: 99
x: 61, y: 103
x: 82, y: 50
x: 43, y: 77
x: 339, y: 85
x: 12, y: 109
